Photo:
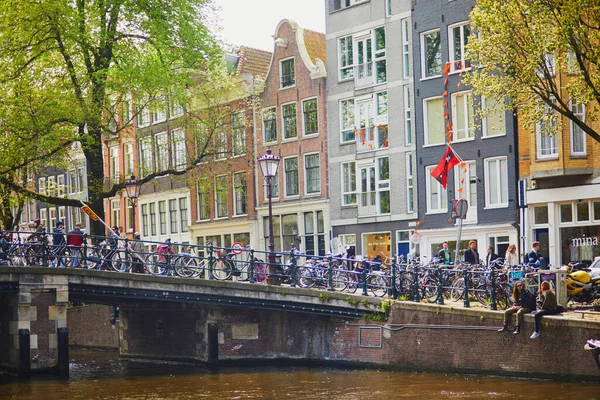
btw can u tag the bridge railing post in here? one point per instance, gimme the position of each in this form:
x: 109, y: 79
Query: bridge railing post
x: 293, y: 261
x: 416, y: 294
x: 493, y: 305
x: 127, y: 258
x: 211, y: 262
x: 393, y: 282
x: 363, y: 279
x: 252, y: 266
x: 83, y: 261
x: 466, y: 302
x: 168, y: 260
x: 441, y: 283
x: 330, y: 273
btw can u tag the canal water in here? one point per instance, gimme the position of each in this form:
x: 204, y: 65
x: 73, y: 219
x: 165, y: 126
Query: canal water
x: 102, y: 376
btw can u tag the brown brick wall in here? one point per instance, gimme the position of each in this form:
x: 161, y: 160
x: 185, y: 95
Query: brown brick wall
x: 89, y: 326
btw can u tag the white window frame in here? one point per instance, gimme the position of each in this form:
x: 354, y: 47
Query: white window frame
x: 487, y: 112
x: 51, y: 186
x: 162, y: 151
x: 146, y: 156
x: 381, y: 186
x: 238, y: 134
x: 62, y: 215
x: 239, y: 177
x: 143, y: 114
x: 500, y: 182
x: 175, y: 108
x: 316, y: 111
x: 271, y: 111
x: 115, y: 212
x: 42, y: 186
x: 408, y: 131
x: 376, y: 56
x: 471, y: 166
x: 406, y: 47
x: 464, y: 63
x: 552, y: 140
x: 113, y: 164
x: 346, y: 128
x: 283, y: 123
x: 60, y: 186
x: 178, y: 149
x: 424, y: 71
x: 281, y: 62
x: 426, y: 123
x: 202, y: 195
x: 159, y: 114
x: 442, y: 195
x: 342, y: 57
x: 580, y: 114
x: 217, y: 194
x: 317, y: 192
x: 550, y: 63
x: 44, y: 219
x: 410, y: 187
x: 220, y: 140
x: 468, y: 133
x: 285, y: 177
x: 351, y: 166
x: 388, y: 8
x: 128, y: 162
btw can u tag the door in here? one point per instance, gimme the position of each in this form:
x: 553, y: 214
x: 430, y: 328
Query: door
x: 364, y: 69
x: 467, y: 181
x: 541, y: 235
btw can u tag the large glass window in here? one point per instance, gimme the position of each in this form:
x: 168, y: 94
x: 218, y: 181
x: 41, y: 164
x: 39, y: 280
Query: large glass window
x: 347, y: 118
x: 179, y: 150
x: 437, y: 197
x: 310, y: 115
x: 221, y: 196
x: 546, y: 134
x: 463, y: 116
x: 578, y: 144
x: 540, y: 215
x: 346, y: 58
x: 494, y: 123
x: 270, y: 124
x: 314, y: 233
x: 580, y: 243
x: 162, y: 151
x: 459, y: 36
x: 312, y: 172
x: 288, y: 74
x: 349, y: 183
x: 290, y: 129
x: 291, y: 176
x: 566, y: 213
x: 239, y: 190
x: 583, y: 211
x: 433, y: 113
x: 203, y: 199
x: 375, y: 188
x: 238, y: 134
x: 496, y: 182
x: 431, y: 54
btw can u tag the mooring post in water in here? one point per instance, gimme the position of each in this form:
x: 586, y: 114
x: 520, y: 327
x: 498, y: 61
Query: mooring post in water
x: 24, y: 353
x: 62, y: 336
x: 213, y: 345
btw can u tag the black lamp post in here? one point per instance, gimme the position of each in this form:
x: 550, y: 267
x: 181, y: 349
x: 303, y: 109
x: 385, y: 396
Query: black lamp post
x: 133, y: 188
x: 268, y: 165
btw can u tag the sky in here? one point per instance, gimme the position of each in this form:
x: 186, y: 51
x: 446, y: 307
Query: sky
x: 252, y: 23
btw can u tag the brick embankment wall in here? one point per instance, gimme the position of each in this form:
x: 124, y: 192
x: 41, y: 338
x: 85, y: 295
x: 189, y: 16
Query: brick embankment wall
x: 89, y: 326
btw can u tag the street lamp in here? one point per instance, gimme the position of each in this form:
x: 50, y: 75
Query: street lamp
x: 133, y: 188
x: 268, y: 164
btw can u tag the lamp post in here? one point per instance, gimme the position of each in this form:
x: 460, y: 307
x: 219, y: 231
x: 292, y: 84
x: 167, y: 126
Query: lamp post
x: 133, y: 188
x: 268, y: 165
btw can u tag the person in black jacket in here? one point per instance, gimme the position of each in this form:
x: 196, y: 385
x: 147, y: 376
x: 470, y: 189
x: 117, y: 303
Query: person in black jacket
x: 471, y: 254
x: 524, y: 303
x: 491, y: 256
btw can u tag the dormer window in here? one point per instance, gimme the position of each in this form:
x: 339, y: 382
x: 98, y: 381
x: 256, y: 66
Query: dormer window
x: 288, y: 73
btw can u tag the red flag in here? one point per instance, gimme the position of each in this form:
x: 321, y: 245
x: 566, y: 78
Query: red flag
x: 440, y: 173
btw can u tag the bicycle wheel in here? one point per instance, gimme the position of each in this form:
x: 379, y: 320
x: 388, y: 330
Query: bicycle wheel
x: 457, y: 291
x: 222, y: 269
x: 340, y: 279
x: 430, y: 290
x: 352, y: 281
x: 482, y: 294
x: 186, y: 266
x: 243, y: 268
x: 305, y: 277
x: 119, y: 262
x: 377, y: 285
x: 154, y: 265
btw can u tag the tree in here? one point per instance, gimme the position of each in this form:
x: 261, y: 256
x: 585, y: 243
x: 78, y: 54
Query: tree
x: 63, y: 59
x: 529, y: 51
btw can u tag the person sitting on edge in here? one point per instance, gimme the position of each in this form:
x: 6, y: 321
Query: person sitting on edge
x: 510, y: 258
x: 491, y: 256
x: 549, y: 307
x: 471, y: 255
x: 444, y: 254
x: 524, y: 303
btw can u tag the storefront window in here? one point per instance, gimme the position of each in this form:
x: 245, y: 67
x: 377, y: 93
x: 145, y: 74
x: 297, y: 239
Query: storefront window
x: 580, y: 244
x: 583, y: 211
x: 374, y: 244
x: 566, y: 212
x: 464, y: 245
x: 540, y: 215
x: 596, y: 207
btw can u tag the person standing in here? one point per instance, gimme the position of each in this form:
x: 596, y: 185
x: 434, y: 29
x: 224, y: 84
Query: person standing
x: 58, y: 245
x: 137, y: 255
x: 471, y: 254
x: 491, y: 256
x: 444, y: 254
x: 510, y: 258
x: 524, y: 303
x: 75, y: 240
x: 534, y: 255
x: 549, y: 307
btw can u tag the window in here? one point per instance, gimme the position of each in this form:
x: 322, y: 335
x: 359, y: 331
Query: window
x: 496, y: 182
x: 462, y: 116
x: 349, y: 183
x: 179, y: 155
x: 62, y: 214
x: 346, y: 58
x: 129, y: 217
x: 145, y: 219
x: 465, y: 186
x: 238, y: 134
x: 433, y: 114
x: 115, y: 212
x: 546, y: 134
x: 60, y: 186
x: 347, y: 120
x: 42, y: 185
x: 437, y: 197
x: 405, y: 49
x: 407, y: 116
x: 494, y: 123
x: 370, y: 53
x: 339, y: 4
x: 578, y: 143
x: 126, y: 110
x: 152, y: 219
x: 146, y: 156
x: 547, y: 66
x: 270, y: 124
x: 44, y: 219
x: 288, y: 75
x: 220, y: 141
x: 583, y: 211
x: 572, y: 63
x: 162, y: 151
x: 113, y: 164
x: 173, y: 215
x: 289, y: 121
x: 239, y: 193
x: 203, y: 199
x: 274, y: 187
x: 459, y: 36
x: 221, y: 196
x: 566, y: 212
x: 81, y: 179
x: 410, y: 189
x: 379, y: 56
x: 540, y: 215
x: 143, y: 115
x: 291, y: 176
x: 372, y: 120
x: 162, y: 217
x: 388, y: 8
x: 51, y: 187
x: 596, y: 208
x: 314, y: 233
x: 128, y: 161
x: 72, y: 181
x: 375, y: 188
x: 310, y: 114
x: 175, y: 108
x: 431, y: 54
x: 312, y: 173
x: 158, y: 111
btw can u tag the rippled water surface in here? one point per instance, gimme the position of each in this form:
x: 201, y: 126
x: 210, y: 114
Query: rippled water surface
x: 101, y: 375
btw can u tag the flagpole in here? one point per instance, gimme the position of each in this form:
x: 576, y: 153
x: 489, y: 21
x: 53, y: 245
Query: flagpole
x: 460, y: 220
x: 455, y: 153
